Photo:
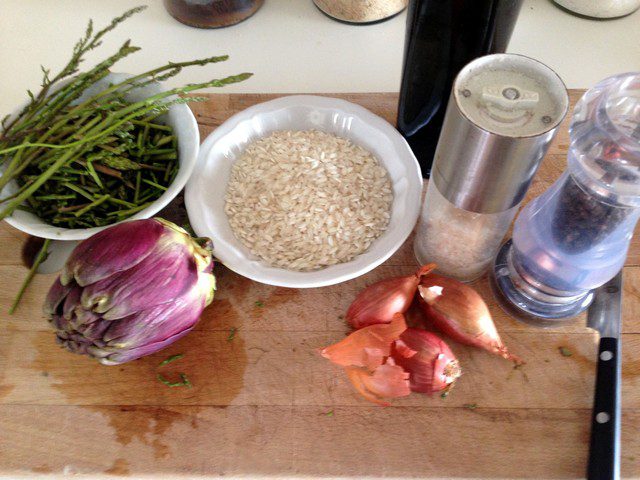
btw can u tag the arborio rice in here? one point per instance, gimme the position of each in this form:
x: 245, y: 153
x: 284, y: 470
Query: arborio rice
x: 302, y: 200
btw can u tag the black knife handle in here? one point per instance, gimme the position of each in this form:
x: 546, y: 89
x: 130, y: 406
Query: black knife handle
x: 604, y: 454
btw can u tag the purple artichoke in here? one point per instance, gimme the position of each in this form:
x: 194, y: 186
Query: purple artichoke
x: 130, y: 290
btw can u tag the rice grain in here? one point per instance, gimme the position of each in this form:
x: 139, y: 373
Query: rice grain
x: 303, y: 200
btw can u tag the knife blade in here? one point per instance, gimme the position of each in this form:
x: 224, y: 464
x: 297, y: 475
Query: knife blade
x: 604, y: 315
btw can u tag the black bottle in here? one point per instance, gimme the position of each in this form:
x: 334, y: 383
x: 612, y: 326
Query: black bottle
x: 442, y: 37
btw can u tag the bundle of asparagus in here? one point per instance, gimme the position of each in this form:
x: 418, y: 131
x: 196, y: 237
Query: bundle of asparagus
x: 86, y: 160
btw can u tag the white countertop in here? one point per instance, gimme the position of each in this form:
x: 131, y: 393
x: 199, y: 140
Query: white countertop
x: 290, y: 46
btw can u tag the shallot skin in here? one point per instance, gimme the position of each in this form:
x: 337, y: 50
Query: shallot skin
x: 380, y: 301
x: 367, y: 347
x: 459, y: 312
x: 366, y: 357
x: 386, y: 381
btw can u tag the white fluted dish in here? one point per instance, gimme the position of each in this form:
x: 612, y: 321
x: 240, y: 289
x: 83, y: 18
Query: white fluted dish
x: 205, y: 191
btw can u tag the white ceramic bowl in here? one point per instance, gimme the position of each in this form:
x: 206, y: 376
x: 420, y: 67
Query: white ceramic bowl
x: 205, y: 190
x: 185, y: 128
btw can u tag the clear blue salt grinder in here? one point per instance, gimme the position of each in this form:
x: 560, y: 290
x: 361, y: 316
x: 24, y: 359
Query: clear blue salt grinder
x: 575, y: 236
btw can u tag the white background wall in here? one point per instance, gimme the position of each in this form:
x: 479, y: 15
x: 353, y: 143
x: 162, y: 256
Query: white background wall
x: 290, y: 45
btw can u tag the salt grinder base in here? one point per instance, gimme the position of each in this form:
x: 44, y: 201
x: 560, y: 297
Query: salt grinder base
x: 526, y: 303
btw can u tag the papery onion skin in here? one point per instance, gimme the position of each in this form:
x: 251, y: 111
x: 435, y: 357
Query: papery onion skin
x: 365, y: 356
x: 433, y: 368
x: 386, y: 381
x: 459, y: 312
x: 380, y: 301
x: 367, y: 347
x: 131, y: 290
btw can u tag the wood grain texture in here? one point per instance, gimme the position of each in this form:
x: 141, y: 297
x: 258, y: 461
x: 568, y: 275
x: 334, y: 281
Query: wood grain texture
x: 265, y: 404
x: 303, y: 441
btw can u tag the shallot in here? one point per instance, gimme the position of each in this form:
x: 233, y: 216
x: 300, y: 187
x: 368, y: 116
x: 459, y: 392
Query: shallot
x: 379, y: 302
x: 459, y: 312
x: 432, y: 365
x: 390, y: 360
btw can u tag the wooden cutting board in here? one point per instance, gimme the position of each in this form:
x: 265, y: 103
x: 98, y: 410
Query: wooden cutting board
x: 264, y: 403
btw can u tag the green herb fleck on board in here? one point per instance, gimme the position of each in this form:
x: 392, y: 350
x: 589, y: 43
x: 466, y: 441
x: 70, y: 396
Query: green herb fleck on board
x: 565, y: 352
x: 329, y: 413
x: 184, y: 381
x: 259, y: 303
x: 170, y: 359
x: 444, y: 394
x: 470, y: 406
x: 232, y: 334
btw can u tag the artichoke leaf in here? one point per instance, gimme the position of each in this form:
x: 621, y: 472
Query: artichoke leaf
x: 105, y: 254
x: 159, y: 278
